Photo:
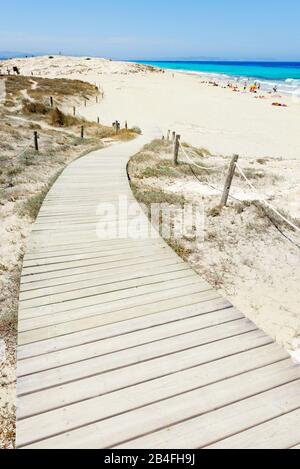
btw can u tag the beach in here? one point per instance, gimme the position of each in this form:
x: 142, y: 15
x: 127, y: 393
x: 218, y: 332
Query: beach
x: 249, y: 255
x: 224, y: 121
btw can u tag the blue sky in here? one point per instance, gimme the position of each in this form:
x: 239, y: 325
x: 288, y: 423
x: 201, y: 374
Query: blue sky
x: 230, y: 29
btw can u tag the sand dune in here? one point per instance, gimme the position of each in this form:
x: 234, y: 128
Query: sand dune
x: 224, y: 121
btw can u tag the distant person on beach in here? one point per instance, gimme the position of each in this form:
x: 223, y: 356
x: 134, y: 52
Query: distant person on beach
x: 275, y: 89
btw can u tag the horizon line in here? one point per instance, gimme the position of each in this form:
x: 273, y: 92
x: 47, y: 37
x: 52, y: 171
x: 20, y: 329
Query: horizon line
x: 15, y: 55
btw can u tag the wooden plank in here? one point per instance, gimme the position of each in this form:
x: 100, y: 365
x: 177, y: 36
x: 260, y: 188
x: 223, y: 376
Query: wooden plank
x: 164, y: 347
x: 94, y: 260
x: 202, y: 431
x: 87, y: 323
x: 96, y: 273
x: 95, y: 267
x: 85, y: 229
x: 107, y: 292
x: 275, y: 434
x: 113, y: 431
x: 36, y: 250
x: 94, y: 280
x: 153, y: 380
x: 102, y: 304
x: 93, y: 247
x: 214, y: 308
x: 93, y: 291
x: 125, y: 341
x: 56, y: 261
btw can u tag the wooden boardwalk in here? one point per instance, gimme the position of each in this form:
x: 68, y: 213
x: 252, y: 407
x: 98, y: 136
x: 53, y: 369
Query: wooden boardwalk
x: 122, y: 345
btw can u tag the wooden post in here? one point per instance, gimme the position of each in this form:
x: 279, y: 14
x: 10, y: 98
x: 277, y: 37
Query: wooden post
x: 98, y: 120
x: 126, y: 125
x: 173, y: 136
x: 36, y: 141
x: 176, y: 149
x: 168, y: 135
x: 74, y: 111
x: 96, y: 99
x: 51, y: 102
x: 82, y: 132
x: 229, y: 179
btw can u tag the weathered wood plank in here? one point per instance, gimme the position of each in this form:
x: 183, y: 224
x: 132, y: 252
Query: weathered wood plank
x: 153, y: 379
x: 125, y: 341
x: 131, y: 356
x: 102, y: 304
x: 279, y: 433
x: 122, y: 344
x: 100, y: 289
x: 110, y: 317
x: 203, y: 431
x: 111, y: 432
x: 94, y: 280
x: 213, y: 308
x: 134, y: 260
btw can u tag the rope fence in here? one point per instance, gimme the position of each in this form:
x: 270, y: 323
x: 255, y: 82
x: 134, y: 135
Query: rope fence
x: 22, y: 152
x: 192, y: 162
x: 234, y: 165
x: 263, y: 200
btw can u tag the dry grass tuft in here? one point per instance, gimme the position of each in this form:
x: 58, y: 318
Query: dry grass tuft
x: 158, y: 145
x: 31, y: 107
x: 41, y: 89
x: 148, y: 196
x: 59, y: 119
x: 181, y: 250
x: 125, y: 134
x: 62, y: 88
x: 215, y: 211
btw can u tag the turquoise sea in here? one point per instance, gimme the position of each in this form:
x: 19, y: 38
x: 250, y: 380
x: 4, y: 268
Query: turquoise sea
x: 286, y: 75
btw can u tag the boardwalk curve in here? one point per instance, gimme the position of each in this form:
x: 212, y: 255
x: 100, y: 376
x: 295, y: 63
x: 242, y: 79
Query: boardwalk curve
x: 122, y: 345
